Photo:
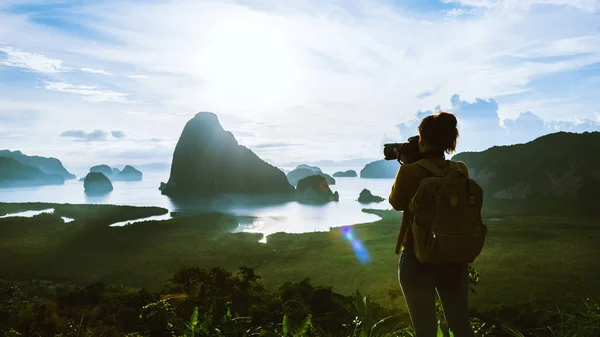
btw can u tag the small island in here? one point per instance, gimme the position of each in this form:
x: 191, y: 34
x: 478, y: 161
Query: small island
x: 129, y: 173
x: 366, y: 197
x: 96, y: 183
x: 303, y: 171
x: 314, y: 189
x: 346, y: 174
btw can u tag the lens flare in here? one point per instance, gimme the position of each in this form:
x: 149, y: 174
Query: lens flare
x: 359, y: 249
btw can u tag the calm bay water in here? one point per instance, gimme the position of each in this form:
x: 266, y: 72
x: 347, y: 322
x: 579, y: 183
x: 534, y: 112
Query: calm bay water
x: 291, y: 217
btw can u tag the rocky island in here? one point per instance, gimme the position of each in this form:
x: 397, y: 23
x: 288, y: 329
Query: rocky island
x: 129, y: 173
x: 366, y: 197
x: 315, y: 189
x: 97, y: 183
x: 208, y: 161
x: 303, y: 171
x: 346, y: 174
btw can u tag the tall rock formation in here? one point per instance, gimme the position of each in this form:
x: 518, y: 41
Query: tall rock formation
x: 208, y: 161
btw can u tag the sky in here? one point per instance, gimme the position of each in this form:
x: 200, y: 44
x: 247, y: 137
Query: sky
x: 114, y: 82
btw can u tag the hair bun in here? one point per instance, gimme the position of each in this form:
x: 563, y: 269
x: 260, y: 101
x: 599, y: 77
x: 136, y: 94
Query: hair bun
x: 446, y: 120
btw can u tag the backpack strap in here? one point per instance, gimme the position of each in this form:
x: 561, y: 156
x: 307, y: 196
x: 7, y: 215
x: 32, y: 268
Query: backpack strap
x: 429, y: 166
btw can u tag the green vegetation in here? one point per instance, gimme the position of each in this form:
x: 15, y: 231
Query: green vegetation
x: 562, y: 165
x: 15, y: 174
x: 528, y: 262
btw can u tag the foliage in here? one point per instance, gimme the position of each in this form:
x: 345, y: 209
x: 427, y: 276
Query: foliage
x: 221, y: 303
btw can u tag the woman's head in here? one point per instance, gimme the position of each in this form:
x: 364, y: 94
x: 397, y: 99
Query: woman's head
x: 438, y: 133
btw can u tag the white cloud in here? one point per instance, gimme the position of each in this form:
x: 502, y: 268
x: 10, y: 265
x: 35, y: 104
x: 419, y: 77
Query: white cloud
x: 455, y: 12
x: 96, y: 71
x: 332, y: 79
x: 585, y: 5
x: 30, y: 61
x: 92, y: 94
x: 39, y: 62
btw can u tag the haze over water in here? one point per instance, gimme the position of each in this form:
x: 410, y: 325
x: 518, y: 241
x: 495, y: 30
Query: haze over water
x: 290, y: 217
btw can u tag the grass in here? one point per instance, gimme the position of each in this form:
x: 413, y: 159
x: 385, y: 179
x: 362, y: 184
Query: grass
x: 527, y: 258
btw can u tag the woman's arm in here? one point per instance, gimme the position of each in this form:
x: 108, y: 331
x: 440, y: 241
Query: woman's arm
x: 404, y: 187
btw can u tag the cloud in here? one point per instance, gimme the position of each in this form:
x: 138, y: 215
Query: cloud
x: 480, y: 125
x: 118, y: 134
x: 93, y: 94
x: 273, y: 145
x: 282, y: 63
x: 424, y: 94
x: 96, y: 71
x: 30, y: 61
x: 39, y: 62
x: 455, y: 12
x: 93, y: 136
x: 585, y: 5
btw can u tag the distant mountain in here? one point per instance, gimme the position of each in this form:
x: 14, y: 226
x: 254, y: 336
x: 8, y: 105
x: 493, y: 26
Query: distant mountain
x: 555, y: 165
x: 208, y: 161
x: 384, y: 169
x: 303, y: 171
x: 356, y: 162
x: 15, y: 174
x: 46, y: 165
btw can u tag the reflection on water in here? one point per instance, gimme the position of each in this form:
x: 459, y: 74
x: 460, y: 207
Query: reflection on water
x: 28, y: 214
x: 150, y: 218
x: 290, y: 217
x: 97, y: 198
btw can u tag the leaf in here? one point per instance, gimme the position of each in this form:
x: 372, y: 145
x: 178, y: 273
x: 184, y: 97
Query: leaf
x: 381, y: 321
x: 286, y: 328
x: 306, y: 324
x: 193, y: 321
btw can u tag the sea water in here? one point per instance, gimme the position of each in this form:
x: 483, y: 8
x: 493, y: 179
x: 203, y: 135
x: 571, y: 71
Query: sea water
x: 290, y: 217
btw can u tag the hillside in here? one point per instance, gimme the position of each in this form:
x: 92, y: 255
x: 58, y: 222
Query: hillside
x: 46, y: 165
x: 555, y: 165
x: 16, y: 174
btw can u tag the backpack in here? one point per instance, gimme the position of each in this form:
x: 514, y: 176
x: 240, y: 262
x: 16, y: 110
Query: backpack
x: 446, y: 216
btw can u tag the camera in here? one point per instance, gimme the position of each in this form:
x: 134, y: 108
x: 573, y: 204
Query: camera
x: 409, y: 149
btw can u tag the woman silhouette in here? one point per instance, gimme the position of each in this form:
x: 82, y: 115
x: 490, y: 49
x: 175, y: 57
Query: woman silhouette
x: 420, y: 281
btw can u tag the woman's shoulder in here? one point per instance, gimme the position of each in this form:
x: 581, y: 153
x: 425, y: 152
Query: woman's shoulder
x: 463, y: 167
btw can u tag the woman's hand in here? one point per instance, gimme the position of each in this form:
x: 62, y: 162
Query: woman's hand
x: 402, y: 157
